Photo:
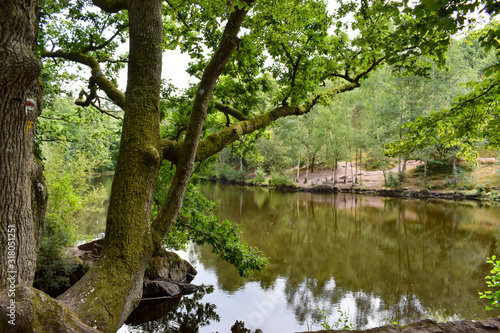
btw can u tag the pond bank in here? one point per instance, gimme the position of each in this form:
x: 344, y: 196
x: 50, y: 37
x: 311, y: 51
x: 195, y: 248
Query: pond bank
x: 424, y: 194
x: 373, y: 183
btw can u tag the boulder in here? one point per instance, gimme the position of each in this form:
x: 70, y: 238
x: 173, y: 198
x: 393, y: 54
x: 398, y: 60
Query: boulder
x: 166, y: 265
x: 167, y: 274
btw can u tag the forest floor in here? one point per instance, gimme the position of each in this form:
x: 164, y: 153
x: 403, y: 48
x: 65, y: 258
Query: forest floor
x: 485, y: 175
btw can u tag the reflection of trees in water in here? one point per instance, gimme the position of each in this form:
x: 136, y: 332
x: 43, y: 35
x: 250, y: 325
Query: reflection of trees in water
x: 186, y: 314
x: 392, y: 257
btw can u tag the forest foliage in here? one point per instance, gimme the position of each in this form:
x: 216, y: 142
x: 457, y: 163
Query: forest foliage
x: 451, y: 112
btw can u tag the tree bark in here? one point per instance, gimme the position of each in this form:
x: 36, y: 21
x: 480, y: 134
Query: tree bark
x: 425, y: 173
x: 345, y: 179
x: 360, y: 156
x: 455, y: 172
x: 112, y: 288
x: 298, y: 169
x: 308, y: 152
x: 356, y: 166
x: 23, y: 196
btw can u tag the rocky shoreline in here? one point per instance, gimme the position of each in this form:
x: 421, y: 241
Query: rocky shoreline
x: 487, y: 195
x: 430, y: 326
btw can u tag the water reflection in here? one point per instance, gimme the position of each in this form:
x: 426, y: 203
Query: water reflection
x: 186, y: 314
x: 377, y: 259
x: 94, y: 225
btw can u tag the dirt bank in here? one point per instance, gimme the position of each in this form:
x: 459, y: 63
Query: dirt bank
x: 483, y: 182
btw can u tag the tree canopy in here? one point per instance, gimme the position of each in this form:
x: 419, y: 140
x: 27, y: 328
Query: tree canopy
x: 473, y: 116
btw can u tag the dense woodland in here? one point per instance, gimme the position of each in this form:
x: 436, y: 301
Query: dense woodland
x: 279, y: 84
x: 366, y: 125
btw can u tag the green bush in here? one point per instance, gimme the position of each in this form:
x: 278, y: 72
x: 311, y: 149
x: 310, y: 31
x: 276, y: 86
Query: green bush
x: 259, y: 176
x: 280, y: 179
x: 53, y: 268
x: 72, y: 203
x: 394, y: 180
x: 227, y: 172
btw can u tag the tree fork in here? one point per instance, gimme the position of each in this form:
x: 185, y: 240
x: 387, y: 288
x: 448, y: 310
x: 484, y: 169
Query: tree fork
x: 189, y: 147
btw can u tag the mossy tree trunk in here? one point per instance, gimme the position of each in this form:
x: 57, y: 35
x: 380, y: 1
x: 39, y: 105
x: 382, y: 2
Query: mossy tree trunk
x: 23, y: 196
x: 109, y: 292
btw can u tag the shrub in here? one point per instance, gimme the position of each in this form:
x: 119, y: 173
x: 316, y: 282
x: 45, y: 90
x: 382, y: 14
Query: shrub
x: 53, y: 268
x: 259, y: 176
x: 280, y: 179
x: 72, y: 203
x: 394, y: 180
x: 227, y: 172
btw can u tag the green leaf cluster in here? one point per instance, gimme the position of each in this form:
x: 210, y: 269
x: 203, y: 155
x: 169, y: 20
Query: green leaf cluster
x: 71, y: 211
x: 493, y: 282
x: 198, y: 223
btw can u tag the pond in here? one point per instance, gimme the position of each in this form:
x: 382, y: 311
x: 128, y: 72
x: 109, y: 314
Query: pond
x: 338, y: 259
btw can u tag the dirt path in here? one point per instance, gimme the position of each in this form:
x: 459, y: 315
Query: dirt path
x: 368, y: 179
x: 485, y: 175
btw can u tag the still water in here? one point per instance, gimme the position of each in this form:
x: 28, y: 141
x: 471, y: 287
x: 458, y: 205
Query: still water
x: 361, y: 259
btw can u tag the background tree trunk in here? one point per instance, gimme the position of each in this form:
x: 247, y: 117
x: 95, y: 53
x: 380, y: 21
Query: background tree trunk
x: 308, y: 153
x: 23, y: 196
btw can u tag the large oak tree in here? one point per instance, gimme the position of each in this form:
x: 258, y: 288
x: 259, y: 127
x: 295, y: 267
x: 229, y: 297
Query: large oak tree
x: 229, y: 42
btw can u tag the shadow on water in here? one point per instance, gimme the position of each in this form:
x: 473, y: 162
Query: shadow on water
x: 369, y: 260
x: 183, y: 314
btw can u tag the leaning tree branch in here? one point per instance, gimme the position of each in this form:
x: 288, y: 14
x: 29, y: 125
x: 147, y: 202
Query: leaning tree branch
x: 99, y: 78
x: 328, y: 94
x: 214, y: 143
x: 229, y: 110
x: 218, y: 141
x: 111, y: 61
